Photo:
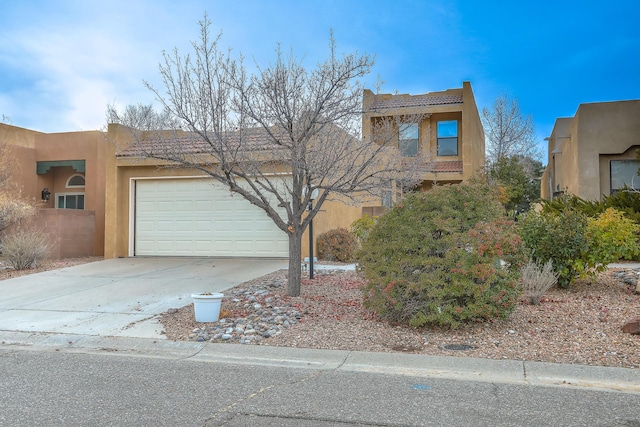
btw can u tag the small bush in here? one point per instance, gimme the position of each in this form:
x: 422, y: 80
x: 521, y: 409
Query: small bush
x: 337, y: 245
x: 24, y: 249
x: 625, y: 200
x: 435, y: 258
x: 579, y: 245
x: 560, y: 238
x: 537, y: 280
x: 612, y: 237
x: 362, y: 227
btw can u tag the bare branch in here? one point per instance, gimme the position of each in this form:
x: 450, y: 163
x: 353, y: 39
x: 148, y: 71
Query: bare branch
x: 271, y: 136
x: 508, y: 133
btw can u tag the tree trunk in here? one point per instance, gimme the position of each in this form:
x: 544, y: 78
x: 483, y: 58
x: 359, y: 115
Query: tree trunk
x: 295, y: 264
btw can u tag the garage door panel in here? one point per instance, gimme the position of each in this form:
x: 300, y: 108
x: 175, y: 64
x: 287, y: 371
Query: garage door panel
x: 194, y: 217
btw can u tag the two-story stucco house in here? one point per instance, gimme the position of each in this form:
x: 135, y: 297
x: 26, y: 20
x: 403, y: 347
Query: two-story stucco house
x: 442, y: 128
x: 108, y: 200
x: 594, y: 152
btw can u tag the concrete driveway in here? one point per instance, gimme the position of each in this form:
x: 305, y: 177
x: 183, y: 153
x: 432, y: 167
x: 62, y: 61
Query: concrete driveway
x: 118, y: 297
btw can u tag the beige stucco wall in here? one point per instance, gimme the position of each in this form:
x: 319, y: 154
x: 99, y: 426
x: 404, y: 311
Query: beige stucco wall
x: 473, y: 144
x: 597, y: 134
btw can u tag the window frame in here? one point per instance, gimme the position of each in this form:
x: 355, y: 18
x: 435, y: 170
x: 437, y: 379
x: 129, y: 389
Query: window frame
x: 68, y: 194
x: 69, y: 185
x: 634, y: 184
x: 403, y: 143
x: 441, y: 140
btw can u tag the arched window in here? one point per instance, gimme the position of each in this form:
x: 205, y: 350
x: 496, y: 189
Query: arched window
x: 76, y: 181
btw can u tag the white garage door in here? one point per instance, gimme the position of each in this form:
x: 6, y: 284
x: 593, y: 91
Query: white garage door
x: 196, y: 217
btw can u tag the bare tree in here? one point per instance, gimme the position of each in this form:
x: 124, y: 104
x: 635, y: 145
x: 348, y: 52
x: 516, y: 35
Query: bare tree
x: 273, y: 136
x: 508, y: 132
x: 13, y: 208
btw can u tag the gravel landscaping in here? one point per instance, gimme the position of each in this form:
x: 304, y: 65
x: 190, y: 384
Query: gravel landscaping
x: 580, y: 325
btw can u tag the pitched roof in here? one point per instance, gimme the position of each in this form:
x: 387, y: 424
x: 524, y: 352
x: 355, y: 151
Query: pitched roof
x: 415, y: 101
x: 249, y: 140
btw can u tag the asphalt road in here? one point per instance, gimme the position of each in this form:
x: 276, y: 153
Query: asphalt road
x: 58, y: 388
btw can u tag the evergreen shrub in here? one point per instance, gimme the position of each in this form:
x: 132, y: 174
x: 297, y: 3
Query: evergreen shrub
x: 443, y: 257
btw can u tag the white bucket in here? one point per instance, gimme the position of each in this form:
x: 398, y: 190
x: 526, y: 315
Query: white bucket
x: 207, y: 307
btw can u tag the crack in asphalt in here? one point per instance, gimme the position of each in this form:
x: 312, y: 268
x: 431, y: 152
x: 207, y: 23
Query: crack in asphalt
x: 227, y: 410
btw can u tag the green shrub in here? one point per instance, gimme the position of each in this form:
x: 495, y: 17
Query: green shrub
x: 24, y: 249
x: 361, y: 227
x: 627, y: 201
x: 435, y: 258
x: 570, y: 202
x: 612, y: 237
x: 579, y: 245
x: 337, y: 245
x: 560, y: 238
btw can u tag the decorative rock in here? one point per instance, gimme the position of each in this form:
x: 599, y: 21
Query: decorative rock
x: 638, y: 288
x: 632, y: 326
x: 172, y: 311
x: 268, y: 315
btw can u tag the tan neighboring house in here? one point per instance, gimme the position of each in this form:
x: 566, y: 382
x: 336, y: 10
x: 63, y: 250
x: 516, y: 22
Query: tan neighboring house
x: 442, y: 129
x: 594, y: 152
x: 64, y: 174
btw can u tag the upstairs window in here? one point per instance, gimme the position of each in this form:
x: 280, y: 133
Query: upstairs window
x: 624, y: 173
x: 408, y: 140
x: 448, y: 138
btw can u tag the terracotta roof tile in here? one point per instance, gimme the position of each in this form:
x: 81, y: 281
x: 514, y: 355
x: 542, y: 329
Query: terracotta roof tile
x: 442, y: 167
x: 416, y: 101
x: 252, y: 140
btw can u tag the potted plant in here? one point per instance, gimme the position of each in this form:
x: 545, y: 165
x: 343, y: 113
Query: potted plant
x: 206, y: 306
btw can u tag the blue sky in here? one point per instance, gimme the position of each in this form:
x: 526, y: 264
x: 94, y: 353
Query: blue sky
x: 62, y: 62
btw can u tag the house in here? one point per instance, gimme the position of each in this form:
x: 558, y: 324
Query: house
x: 112, y: 200
x: 64, y: 174
x: 594, y: 152
x: 174, y: 211
x: 442, y: 130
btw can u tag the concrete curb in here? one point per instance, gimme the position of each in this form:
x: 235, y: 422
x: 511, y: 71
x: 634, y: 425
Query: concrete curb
x: 456, y: 368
